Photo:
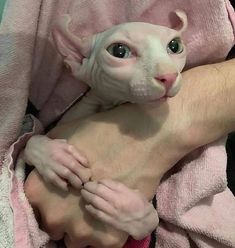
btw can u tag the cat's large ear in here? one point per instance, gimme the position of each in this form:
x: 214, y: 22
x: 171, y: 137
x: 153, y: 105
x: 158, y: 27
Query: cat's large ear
x: 71, y: 47
x: 183, y: 24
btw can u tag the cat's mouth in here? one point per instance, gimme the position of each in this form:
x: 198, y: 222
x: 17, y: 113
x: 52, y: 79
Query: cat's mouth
x: 161, y: 99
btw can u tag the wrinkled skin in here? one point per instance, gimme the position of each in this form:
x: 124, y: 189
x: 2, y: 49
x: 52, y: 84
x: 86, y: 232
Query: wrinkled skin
x: 145, y: 69
x: 62, y: 215
x: 57, y: 161
x: 59, y: 211
x: 123, y: 208
x: 148, y: 71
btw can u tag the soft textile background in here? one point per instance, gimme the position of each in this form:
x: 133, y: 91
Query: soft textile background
x: 30, y: 68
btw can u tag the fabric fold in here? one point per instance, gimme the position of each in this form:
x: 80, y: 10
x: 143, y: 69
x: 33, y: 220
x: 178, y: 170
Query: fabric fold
x: 191, y: 201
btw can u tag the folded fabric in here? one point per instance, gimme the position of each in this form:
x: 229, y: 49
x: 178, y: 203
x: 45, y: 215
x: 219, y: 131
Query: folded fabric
x: 195, y: 205
x: 189, y: 203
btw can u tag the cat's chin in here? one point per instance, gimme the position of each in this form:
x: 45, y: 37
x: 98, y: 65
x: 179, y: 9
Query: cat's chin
x: 158, y: 100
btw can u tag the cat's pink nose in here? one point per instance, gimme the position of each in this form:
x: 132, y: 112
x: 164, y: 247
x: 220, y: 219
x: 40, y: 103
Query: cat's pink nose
x: 167, y: 79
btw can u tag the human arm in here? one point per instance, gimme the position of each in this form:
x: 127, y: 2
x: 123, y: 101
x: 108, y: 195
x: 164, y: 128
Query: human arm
x: 208, y: 103
x: 186, y: 122
x: 205, y: 109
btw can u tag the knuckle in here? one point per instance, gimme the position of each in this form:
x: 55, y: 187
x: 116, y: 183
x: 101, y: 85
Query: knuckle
x: 50, y: 177
x: 95, y: 200
x: 100, y: 189
x: 120, y: 205
x: 70, y: 148
x: 120, y: 186
x: 97, y: 214
x: 55, y: 155
x: 73, y: 165
x: 66, y: 173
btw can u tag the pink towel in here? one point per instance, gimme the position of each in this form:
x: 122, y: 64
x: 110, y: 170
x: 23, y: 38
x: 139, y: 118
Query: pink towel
x: 29, y: 66
x: 194, y: 204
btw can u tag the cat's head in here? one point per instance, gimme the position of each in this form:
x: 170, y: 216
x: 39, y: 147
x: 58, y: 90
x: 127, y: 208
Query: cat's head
x: 136, y: 62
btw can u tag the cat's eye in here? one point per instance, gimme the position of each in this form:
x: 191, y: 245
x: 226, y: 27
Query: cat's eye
x: 119, y: 50
x: 175, y: 46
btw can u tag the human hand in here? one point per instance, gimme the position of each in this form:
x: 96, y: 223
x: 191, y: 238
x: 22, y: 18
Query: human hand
x: 132, y: 152
x: 62, y: 215
x: 117, y: 205
x: 57, y: 161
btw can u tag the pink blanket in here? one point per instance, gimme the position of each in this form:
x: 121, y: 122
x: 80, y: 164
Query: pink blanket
x: 194, y: 204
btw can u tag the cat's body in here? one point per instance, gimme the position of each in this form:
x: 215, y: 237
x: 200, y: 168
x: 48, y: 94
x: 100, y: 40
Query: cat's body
x: 131, y: 62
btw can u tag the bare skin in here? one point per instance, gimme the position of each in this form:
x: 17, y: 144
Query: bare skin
x: 113, y: 80
x: 184, y: 123
x: 137, y: 169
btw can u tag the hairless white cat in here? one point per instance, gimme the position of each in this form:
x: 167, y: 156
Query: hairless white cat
x: 132, y: 62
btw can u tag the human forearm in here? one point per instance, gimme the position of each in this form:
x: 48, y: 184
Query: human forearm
x: 208, y: 102
x: 202, y: 112
x: 151, y: 139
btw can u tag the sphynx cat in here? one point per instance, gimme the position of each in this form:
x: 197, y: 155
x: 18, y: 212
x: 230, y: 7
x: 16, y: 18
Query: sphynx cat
x: 131, y: 62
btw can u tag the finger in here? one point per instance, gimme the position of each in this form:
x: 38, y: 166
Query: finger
x: 99, y: 214
x: 75, y: 182
x: 73, y: 165
x: 102, y: 191
x: 114, y: 185
x: 104, y: 217
x: 65, y: 173
x: 77, y: 154
x: 51, y: 177
x: 98, y: 203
